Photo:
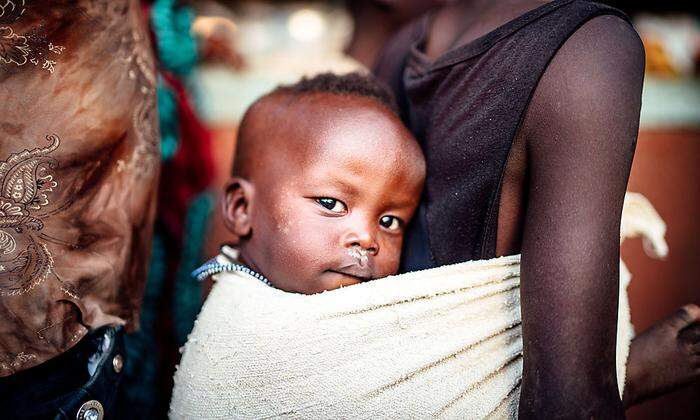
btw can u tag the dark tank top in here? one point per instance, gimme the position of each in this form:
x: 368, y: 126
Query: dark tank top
x: 465, y: 109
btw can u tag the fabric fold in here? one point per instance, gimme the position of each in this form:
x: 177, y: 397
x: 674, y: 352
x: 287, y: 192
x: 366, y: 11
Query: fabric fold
x: 443, y: 343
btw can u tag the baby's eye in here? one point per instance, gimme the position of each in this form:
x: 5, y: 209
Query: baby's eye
x: 390, y: 222
x: 336, y: 206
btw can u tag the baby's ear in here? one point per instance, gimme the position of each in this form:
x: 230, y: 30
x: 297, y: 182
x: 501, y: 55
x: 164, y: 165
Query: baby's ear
x: 236, y: 205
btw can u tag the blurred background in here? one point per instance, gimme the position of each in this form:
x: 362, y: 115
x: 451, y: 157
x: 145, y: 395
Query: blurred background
x: 217, y: 57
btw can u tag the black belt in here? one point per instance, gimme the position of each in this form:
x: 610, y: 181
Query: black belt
x: 80, y: 384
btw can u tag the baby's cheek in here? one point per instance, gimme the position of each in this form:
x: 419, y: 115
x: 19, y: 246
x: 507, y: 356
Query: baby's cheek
x: 304, y: 251
x: 282, y: 219
x: 389, y: 259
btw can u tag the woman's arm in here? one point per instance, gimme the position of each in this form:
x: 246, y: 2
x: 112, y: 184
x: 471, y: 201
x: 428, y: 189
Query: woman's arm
x: 580, y: 132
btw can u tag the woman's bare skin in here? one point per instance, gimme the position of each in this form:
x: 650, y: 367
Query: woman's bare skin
x: 376, y: 21
x: 586, y: 104
x: 664, y: 357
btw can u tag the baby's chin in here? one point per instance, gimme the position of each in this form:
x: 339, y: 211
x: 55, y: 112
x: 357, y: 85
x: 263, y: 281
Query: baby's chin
x: 326, y: 281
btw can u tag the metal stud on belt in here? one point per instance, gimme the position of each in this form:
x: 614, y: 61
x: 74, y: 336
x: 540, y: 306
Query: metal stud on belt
x: 91, y: 410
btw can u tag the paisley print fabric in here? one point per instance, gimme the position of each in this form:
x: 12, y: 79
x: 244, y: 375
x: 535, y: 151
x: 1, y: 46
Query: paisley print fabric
x: 79, y: 159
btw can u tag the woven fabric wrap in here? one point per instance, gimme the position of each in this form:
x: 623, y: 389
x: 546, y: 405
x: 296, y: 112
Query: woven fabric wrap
x: 444, y: 342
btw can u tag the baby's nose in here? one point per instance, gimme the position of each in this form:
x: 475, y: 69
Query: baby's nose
x: 363, y: 239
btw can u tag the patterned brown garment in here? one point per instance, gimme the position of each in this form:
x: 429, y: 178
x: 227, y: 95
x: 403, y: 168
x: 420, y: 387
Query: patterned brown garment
x: 79, y: 159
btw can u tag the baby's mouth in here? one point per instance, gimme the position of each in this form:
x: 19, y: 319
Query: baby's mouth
x: 360, y: 273
x: 359, y: 266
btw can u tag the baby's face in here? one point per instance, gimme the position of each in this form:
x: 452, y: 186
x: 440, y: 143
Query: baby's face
x: 331, y: 206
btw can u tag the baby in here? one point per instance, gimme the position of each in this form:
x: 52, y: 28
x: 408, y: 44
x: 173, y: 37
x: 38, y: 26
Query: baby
x: 325, y: 179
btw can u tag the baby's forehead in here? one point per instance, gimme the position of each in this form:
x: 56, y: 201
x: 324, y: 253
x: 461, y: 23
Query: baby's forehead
x: 322, y: 120
x: 341, y: 132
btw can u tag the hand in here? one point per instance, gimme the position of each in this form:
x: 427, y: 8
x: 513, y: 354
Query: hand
x: 665, y: 357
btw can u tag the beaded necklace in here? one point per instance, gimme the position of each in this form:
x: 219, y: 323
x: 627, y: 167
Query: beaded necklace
x: 212, y: 267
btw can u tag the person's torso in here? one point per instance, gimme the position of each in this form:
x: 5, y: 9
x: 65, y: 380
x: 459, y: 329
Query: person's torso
x: 78, y: 172
x: 465, y: 109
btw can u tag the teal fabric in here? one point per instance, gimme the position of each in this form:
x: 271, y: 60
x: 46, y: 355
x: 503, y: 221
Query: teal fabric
x: 177, y: 54
x: 187, y: 297
x: 177, y: 48
x: 168, y: 120
x: 141, y: 367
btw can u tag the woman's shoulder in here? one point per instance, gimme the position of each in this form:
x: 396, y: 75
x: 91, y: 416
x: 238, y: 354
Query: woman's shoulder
x: 591, y: 90
x: 602, y: 60
x: 606, y: 35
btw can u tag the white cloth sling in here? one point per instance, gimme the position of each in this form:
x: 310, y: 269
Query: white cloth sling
x: 444, y: 342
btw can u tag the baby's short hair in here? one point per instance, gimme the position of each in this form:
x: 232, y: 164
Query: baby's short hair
x: 354, y: 84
